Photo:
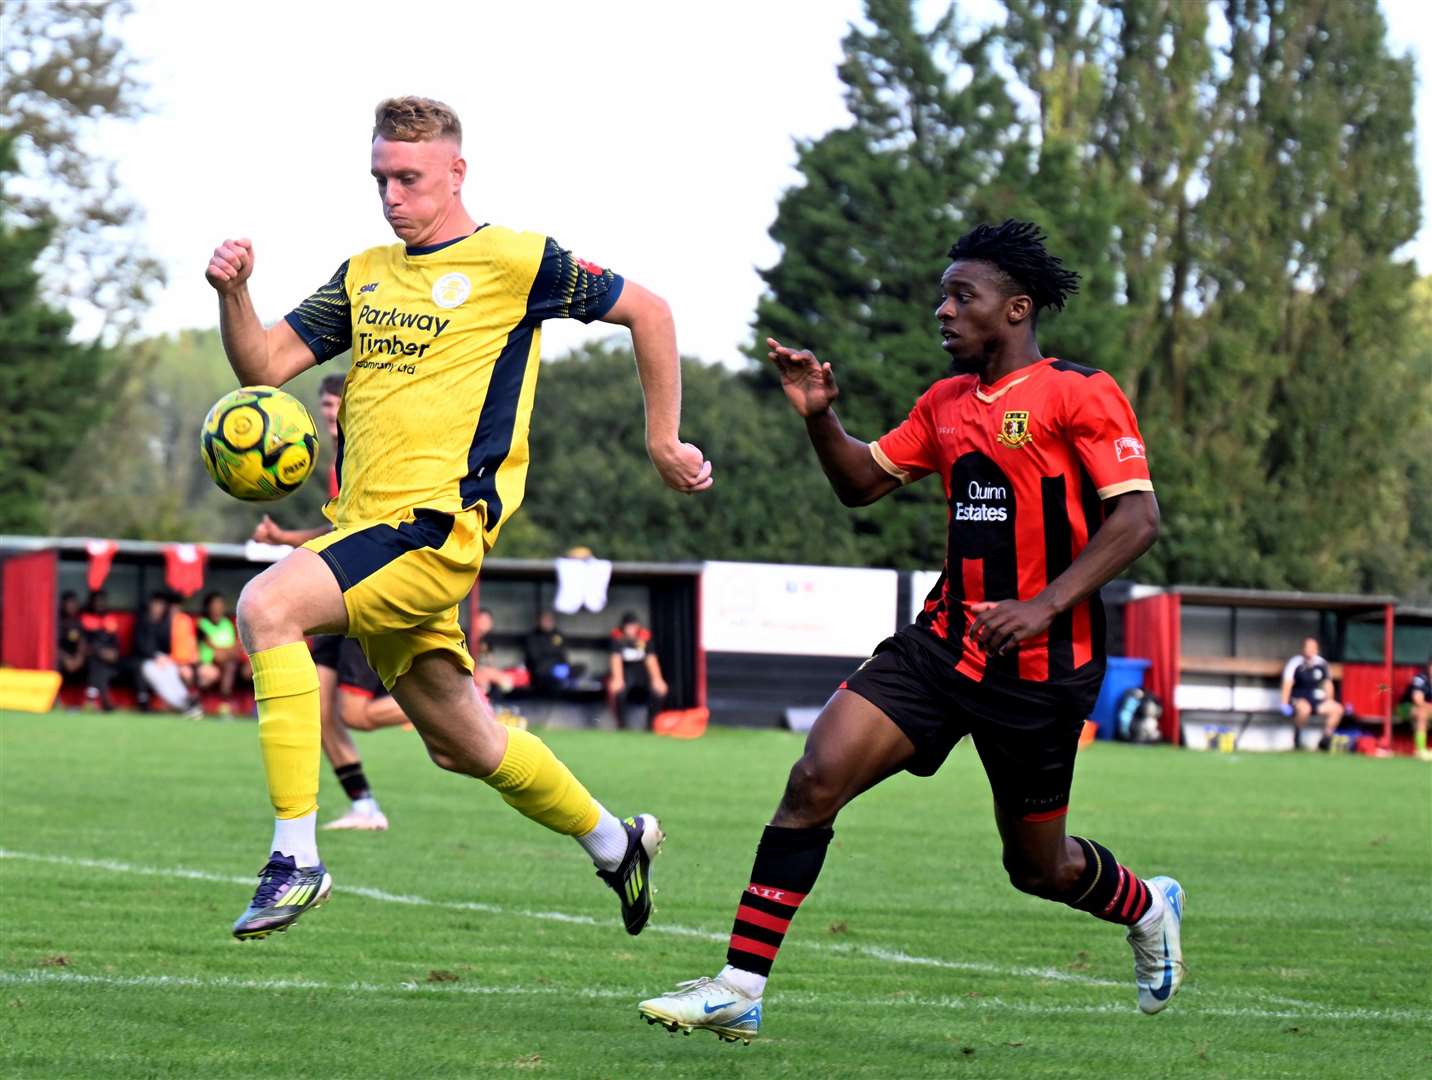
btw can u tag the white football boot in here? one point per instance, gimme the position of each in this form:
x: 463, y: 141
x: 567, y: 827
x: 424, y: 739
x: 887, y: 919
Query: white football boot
x: 1158, y: 953
x: 712, y: 1004
x: 360, y: 821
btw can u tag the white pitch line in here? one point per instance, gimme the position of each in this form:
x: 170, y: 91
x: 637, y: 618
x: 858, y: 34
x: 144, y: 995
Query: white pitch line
x: 223, y: 982
x: 899, y: 956
x: 1380, y: 1016
x: 798, y: 998
x: 874, y: 952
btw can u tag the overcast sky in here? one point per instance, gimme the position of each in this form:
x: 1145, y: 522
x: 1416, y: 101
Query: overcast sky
x: 654, y: 138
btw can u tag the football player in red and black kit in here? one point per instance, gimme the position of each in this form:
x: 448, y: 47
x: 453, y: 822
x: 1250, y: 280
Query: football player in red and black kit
x: 1049, y: 498
x: 350, y: 693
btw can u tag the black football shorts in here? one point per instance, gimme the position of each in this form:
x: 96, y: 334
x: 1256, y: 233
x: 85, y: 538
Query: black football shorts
x: 1026, y: 741
x: 354, y: 673
x: 326, y: 649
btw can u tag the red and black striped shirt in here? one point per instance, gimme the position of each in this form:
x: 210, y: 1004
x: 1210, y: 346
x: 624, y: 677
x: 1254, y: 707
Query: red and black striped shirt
x: 1026, y: 464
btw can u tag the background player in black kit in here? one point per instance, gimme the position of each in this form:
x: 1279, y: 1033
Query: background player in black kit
x: 1308, y: 691
x: 343, y: 671
x: 1417, y: 705
x: 1049, y: 498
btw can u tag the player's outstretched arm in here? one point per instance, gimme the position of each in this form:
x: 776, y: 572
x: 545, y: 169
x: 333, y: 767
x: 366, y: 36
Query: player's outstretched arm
x: 259, y: 357
x: 1129, y: 530
x: 810, y: 387
x: 653, y: 339
x: 268, y: 531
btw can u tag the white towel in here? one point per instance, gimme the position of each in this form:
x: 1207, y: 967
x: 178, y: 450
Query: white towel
x: 582, y: 583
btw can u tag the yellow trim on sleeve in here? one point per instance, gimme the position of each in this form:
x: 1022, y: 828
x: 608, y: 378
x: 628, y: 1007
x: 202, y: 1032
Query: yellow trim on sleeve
x: 883, y: 460
x: 1124, y: 487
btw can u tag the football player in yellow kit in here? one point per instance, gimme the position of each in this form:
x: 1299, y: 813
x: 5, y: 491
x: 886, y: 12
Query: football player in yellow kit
x: 445, y: 329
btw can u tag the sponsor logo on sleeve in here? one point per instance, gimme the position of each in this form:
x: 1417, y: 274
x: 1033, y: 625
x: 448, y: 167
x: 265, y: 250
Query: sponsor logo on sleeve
x: 1127, y: 448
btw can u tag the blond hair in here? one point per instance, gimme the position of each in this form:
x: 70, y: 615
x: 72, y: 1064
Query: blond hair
x: 416, y: 119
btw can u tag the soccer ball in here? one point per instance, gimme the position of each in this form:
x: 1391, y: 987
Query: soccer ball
x: 258, y: 443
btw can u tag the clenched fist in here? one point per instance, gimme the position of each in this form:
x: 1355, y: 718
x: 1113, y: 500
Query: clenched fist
x: 231, y: 265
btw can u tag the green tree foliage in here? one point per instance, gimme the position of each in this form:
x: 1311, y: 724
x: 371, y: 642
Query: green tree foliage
x: 138, y: 474
x: 1272, y: 404
x: 65, y: 71
x: 863, y: 237
x: 1233, y: 179
x: 1411, y: 424
x: 70, y: 243
x: 591, y: 483
x: 46, y: 395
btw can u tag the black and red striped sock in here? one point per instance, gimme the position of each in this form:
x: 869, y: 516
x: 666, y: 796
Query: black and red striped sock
x: 1107, y: 890
x: 787, y: 863
x: 355, y: 784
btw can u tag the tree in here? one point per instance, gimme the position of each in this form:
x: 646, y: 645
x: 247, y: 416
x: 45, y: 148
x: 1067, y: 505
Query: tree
x: 591, y: 482
x: 65, y: 71
x: 863, y: 236
x: 138, y: 474
x: 44, y: 416
x: 1233, y: 179
x: 1414, y: 417
x: 1348, y: 186
x: 1286, y: 472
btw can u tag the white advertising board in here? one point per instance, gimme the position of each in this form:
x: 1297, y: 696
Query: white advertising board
x: 796, y: 610
x: 921, y: 582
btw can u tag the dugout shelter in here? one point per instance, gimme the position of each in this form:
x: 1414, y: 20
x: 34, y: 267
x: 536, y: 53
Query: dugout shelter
x: 1216, y: 655
x: 36, y: 571
x: 765, y: 644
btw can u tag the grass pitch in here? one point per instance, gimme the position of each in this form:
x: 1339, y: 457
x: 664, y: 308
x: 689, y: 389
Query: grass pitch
x: 468, y: 941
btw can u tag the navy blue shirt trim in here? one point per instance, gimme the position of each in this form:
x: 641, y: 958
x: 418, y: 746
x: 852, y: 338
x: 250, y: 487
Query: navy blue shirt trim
x: 324, y: 322
x: 430, y: 248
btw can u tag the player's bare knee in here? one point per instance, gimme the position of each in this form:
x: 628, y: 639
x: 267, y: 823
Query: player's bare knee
x: 262, y: 616
x: 446, y: 756
x: 463, y: 755
x: 354, y: 712
x: 811, y: 798
x: 443, y: 760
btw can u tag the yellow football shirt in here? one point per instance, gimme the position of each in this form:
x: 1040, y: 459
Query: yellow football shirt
x: 446, y: 340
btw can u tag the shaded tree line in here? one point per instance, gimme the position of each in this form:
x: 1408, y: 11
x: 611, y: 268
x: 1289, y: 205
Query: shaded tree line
x: 1233, y: 179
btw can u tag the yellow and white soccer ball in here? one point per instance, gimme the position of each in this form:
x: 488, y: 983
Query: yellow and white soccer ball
x: 258, y: 443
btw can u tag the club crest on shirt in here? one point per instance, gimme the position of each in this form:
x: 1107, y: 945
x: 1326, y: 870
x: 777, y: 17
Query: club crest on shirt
x: 1014, y: 429
x: 450, y: 290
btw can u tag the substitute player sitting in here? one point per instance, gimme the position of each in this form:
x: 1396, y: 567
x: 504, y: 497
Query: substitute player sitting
x: 1416, y: 705
x: 1049, y: 498
x: 1307, y: 690
x: 445, y: 329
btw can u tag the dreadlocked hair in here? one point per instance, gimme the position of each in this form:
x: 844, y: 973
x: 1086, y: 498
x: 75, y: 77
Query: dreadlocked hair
x: 1016, y: 248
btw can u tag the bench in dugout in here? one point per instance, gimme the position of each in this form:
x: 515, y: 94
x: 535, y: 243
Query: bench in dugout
x: 1236, y: 702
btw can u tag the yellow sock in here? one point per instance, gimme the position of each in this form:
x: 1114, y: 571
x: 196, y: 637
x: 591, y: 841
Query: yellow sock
x: 286, y: 690
x: 534, y: 783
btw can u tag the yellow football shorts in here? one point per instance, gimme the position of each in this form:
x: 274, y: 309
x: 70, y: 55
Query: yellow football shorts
x: 402, y: 584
